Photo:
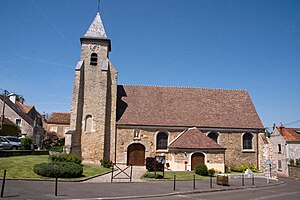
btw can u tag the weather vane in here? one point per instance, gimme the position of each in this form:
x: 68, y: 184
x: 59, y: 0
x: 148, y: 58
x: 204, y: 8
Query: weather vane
x: 98, y: 6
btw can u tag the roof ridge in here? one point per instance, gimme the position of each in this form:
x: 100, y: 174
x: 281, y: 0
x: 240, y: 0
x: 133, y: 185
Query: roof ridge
x: 62, y: 112
x: 184, y: 87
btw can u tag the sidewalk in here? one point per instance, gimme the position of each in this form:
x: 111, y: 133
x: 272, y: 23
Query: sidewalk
x: 20, y: 189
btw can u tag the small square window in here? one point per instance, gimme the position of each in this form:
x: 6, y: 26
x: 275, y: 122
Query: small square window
x: 18, y: 122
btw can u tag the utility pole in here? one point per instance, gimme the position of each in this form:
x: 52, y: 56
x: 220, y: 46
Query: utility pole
x: 3, y: 109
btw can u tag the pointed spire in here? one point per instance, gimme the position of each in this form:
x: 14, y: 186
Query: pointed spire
x: 96, y: 29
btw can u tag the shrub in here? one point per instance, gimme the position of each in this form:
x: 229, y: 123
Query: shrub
x: 243, y: 168
x: 106, y: 163
x: 150, y: 165
x: 211, y: 172
x: 26, y: 142
x: 58, y: 169
x: 66, y: 158
x: 291, y: 161
x: 227, y: 169
x: 297, y: 161
x: 201, y: 169
x: 57, y: 148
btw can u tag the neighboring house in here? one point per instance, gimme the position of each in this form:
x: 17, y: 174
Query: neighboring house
x: 188, y: 126
x: 286, y: 143
x: 59, y: 122
x: 25, y: 116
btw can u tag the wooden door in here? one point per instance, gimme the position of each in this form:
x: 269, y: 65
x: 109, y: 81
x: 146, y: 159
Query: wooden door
x: 136, y: 155
x: 197, y: 158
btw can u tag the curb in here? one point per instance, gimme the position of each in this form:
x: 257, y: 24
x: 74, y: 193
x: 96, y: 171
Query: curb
x: 184, y: 192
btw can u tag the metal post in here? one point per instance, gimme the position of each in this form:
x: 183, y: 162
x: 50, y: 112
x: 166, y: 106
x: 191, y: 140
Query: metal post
x: 194, y: 181
x: 252, y: 179
x: 55, y: 186
x: 211, y: 186
x: 174, y: 182
x: 130, y: 172
x: 243, y: 181
x: 112, y: 173
x: 3, y: 183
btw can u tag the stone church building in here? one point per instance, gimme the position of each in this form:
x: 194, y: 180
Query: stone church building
x: 128, y: 123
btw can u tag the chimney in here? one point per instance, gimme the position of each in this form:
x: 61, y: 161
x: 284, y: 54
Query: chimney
x: 281, y: 126
x: 274, y: 126
x: 44, y: 116
x: 21, y: 100
x: 12, y: 98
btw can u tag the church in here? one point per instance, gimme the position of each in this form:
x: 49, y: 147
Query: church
x: 127, y: 123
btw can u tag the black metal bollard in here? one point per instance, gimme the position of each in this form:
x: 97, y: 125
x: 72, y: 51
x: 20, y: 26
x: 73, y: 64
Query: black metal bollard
x: 252, y: 179
x: 243, y: 181
x: 194, y: 182
x: 210, y: 182
x: 3, y: 183
x: 174, y: 182
x: 130, y: 172
x: 55, y: 186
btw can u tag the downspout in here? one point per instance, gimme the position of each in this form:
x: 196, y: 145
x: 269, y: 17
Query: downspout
x: 257, y: 151
x: 115, y: 143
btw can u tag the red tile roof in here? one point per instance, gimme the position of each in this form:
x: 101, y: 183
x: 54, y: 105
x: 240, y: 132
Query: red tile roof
x: 59, y: 118
x: 18, y: 110
x: 290, y: 134
x: 25, y: 108
x: 194, y: 139
x: 188, y: 107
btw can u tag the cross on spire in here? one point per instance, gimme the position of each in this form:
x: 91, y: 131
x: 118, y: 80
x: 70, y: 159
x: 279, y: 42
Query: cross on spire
x: 98, y: 6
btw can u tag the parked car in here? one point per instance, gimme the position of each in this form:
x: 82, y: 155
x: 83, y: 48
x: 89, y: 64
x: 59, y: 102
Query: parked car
x: 5, y: 144
x: 15, y: 141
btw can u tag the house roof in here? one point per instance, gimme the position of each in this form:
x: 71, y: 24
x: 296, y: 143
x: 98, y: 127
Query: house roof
x: 194, y: 139
x: 25, y: 108
x: 59, y: 118
x: 188, y: 107
x: 290, y: 134
x: 18, y: 110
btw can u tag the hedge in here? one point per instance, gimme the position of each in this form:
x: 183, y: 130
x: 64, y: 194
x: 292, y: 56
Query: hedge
x: 58, y: 169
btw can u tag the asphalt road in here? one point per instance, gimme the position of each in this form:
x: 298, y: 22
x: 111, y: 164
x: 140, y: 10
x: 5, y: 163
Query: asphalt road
x: 288, y: 191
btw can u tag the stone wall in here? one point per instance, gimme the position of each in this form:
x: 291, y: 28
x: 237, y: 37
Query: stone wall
x: 60, y: 129
x: 294, y: 171
x: 125, y: 137
x: 234, y: 154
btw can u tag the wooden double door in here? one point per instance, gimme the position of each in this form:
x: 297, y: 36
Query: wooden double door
x: 197, y: 158
x: 136, y: 155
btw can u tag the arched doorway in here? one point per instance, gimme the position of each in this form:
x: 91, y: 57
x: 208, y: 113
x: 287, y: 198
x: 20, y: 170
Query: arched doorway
x: 136, y: 154
x: 197, y: 158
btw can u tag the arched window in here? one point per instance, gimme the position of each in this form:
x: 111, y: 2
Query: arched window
x: 88, y: 123
x: 214, y: 136
x: 161, y: 141
x: 247, y: 141
x: 94, y: 59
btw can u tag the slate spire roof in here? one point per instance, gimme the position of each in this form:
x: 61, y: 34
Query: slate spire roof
x: 96, y: 29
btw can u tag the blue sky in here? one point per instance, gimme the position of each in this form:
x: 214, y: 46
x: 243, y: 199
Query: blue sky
x: 251, y: 45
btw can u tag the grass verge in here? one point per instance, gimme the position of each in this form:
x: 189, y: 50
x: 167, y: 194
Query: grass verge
x: 170, y: 176
x: 22, y: 167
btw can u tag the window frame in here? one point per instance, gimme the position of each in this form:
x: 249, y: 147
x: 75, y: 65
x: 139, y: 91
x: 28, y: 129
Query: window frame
x: 216, y: 133
x: 244, y: 146
x: 165, y: 146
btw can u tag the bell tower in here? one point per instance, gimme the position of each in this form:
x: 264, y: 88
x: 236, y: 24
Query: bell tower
x: 93, y: 109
